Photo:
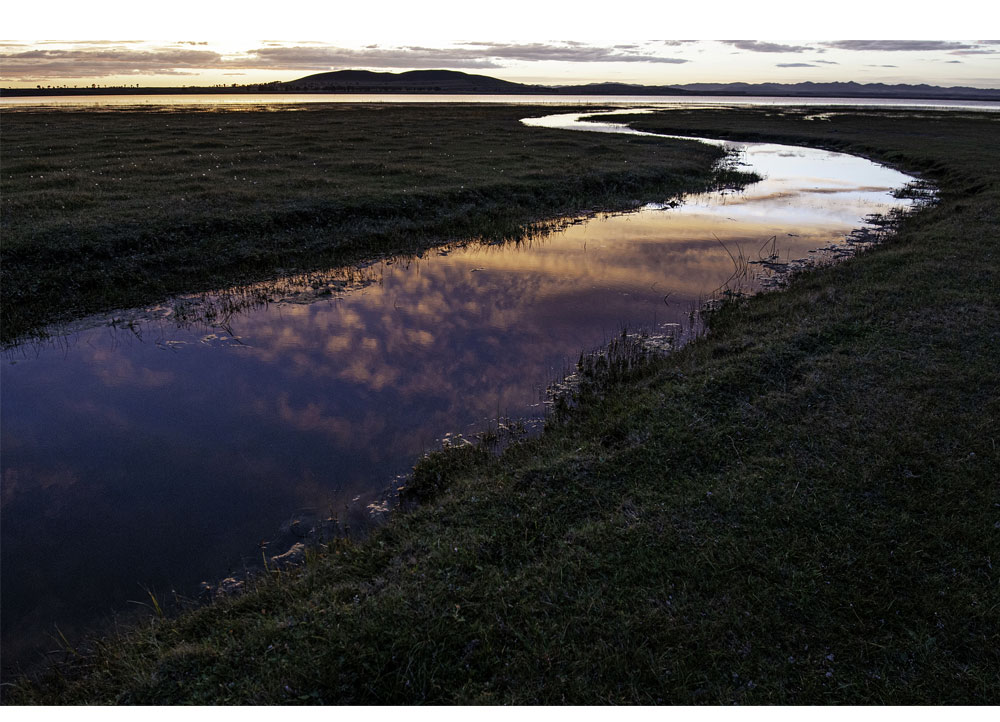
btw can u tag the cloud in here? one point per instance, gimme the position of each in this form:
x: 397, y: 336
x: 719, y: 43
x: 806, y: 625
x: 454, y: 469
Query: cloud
x: 758, y: 46
x: 795, y: 65
x: 573, y: 53
x: 325, y: 58
x: 474, y: 54
x: 898, y: 45
x: 103, y: 61
x: 88, y: 42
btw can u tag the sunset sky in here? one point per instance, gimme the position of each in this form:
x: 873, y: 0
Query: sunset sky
x: 532, y: 42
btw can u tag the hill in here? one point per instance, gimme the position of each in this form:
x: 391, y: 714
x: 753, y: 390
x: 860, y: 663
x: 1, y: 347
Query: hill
x: 453, y: 82
x: 414, y: 81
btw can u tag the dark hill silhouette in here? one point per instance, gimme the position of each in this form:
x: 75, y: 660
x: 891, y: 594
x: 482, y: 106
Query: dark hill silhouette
x: 443, y: 82
x: 414, y: 81
x: 453, y: 81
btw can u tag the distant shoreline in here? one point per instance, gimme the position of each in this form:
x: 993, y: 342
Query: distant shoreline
x: 89, y: 92
x: 447, y: 84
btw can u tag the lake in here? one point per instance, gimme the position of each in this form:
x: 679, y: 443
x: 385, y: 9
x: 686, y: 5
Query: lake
x: 185, y: 442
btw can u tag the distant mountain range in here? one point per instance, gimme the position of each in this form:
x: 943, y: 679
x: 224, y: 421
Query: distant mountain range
x: 443, y: 82
x: 845, y: 90
x: 450, y: 81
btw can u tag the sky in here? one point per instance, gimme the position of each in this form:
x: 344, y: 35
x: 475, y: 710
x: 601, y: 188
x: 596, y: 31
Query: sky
x: 551, y: 43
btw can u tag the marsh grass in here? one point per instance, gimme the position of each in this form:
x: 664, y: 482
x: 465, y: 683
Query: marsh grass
x: 798, y: 508
x: 105, y: 210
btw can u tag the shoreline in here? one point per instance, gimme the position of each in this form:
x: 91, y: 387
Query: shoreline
x: 820, y: 434
x: 168, y: 232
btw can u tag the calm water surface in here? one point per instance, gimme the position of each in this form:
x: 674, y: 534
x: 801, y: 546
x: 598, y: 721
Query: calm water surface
x: 163, y: 454
x: 238, y: 99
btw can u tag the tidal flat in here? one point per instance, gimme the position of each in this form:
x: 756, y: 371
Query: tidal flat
x: 799, y: 507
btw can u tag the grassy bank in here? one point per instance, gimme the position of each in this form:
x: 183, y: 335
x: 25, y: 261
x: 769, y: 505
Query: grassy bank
x: 801, y: 507
x: 110, y: 209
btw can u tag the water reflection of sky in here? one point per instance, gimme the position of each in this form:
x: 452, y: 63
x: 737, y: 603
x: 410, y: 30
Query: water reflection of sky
x: 164, y: 460
x: 283, y: 99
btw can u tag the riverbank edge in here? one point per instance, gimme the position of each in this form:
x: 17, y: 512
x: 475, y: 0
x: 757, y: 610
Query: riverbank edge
x: 563, y: 570
x: 50, y: 283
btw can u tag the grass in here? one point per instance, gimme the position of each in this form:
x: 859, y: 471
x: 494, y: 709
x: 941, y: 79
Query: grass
x: 115, y: 209
x: 799, y: 508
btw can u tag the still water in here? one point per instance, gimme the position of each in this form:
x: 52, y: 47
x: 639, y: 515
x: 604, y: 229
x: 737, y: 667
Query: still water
x: 165, y: 450
x: 285, y: 99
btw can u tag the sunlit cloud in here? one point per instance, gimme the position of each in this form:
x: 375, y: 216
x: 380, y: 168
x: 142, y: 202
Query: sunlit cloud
x: 569, y: 52
x: 897, y: 45
x: 88, y: 42
x: 95, y: 59
x: 758, y: 46
x: 327, y: 58
x: 554, y: 62
x: 475, y: 54
x: 103, y: 61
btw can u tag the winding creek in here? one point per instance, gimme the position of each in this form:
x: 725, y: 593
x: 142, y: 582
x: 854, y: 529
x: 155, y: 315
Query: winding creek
x: 165, y: 449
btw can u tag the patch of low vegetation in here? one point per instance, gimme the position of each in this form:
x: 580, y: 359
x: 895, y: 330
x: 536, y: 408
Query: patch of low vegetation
x: 115, y: 209
x: 800, y: 507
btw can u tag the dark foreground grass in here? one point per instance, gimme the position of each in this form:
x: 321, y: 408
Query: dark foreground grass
x: 111, y: 209
x: 801, y: 507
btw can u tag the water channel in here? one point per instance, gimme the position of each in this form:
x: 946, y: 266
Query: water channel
x: 165, y: 448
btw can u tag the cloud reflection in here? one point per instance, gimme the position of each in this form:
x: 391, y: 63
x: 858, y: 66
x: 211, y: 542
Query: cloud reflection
x: 185, y: 453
